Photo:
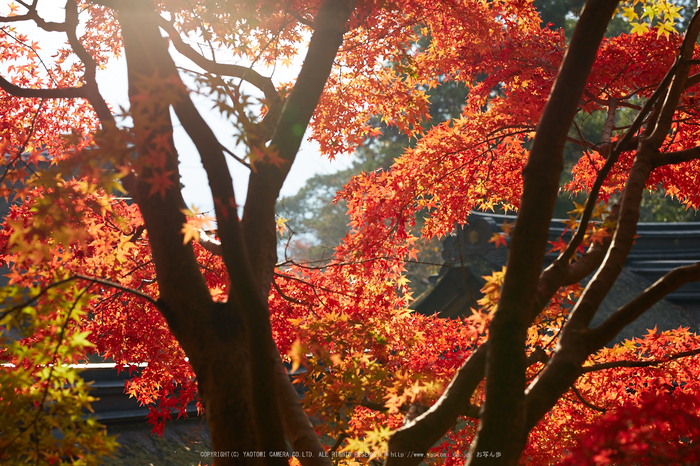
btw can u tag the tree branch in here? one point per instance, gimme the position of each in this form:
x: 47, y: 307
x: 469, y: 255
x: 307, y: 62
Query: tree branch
x: 606, y: 146
x: 63, y: 93
x: 628, y: 313
x: 118, y: 286
x: 284, y: 296
x: 503, y: 422
x: 656, y: 362
x: 300, y: 432
x: 422, y: 432
x: 266, y: 180
x: 33, y: 15
x: 209, y: 243
x: 89, y: 90
x: 621, y: 146
x: 419, y: 435
x: 92, y: 92
x: 576, y: 343
x: 244, y: 296
x: 78, y: 276
x: 585, y: 402
x: 236, y: 71
x: 581, y: 143
x: 672, y: 158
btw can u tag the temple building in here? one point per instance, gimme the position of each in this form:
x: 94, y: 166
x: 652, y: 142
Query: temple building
x: 660, y: 247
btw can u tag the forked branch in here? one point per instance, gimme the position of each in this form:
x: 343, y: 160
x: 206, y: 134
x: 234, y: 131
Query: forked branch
x: 247, y: 74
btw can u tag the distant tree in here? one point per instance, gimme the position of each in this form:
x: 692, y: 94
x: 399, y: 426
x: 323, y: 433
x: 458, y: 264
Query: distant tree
x: 318, y: 221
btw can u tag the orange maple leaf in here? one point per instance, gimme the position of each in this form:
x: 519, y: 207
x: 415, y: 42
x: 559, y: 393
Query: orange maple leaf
x: 498, y: 239
x: 160, y: 182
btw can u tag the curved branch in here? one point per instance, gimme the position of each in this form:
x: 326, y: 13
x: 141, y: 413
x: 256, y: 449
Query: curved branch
x: 62, y: 93
x: 33, y: 15
x: 266, y: 181
x: 422, y: 432
x: 79, y: 276
x: 585, y: 402
x: 236, y: 71
x: 285, y: 296
x: 92, y: 93
x: 88, y: 91
x: 626, y: 363
x: 635, y: 308
x: 621, y: 146
x: 118, y: 286
x: 678, y: 86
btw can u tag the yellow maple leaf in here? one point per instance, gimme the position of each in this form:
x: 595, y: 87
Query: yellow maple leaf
x: 190, y: 232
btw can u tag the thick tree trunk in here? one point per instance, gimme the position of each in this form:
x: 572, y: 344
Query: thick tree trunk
x: 249, y: 401
x: 502, y: 429
x: 242, y: 411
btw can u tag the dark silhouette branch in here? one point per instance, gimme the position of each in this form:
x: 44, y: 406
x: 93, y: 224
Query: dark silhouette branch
x: 621, y: 146
x: 628, y: 313
x: 672, y: 158
x: 117, y: 286
x: 92, y: 92
x: 33, y: 15
x: 640, y: 364
x: 503, y: 422
x: 100, y: 281
x: 245, y: 73
x: 284, y: 296
x: 339, y: 441
x: 585, y: 402
x: 421, y: 433
x: 576, y: 344
x: 288, y: 131
x: 63, y: 93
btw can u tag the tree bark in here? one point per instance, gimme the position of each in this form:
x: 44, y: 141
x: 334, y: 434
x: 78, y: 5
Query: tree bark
x: 241, y: 402
x: 502, y: 428
x: 229, y: 345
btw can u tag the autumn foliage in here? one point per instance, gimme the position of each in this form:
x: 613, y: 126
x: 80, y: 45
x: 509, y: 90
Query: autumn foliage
x: 103, y: 259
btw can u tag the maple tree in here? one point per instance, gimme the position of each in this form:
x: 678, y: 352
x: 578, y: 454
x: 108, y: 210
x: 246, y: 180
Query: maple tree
x: 523, y: 376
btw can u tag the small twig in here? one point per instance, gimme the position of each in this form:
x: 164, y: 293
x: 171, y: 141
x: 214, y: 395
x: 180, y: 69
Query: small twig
x: 586, y: 403
x: 235, y: 157
x: 323, y: 288
x: 118, y: 286
x: 284, y: 296
x: 101, y: 281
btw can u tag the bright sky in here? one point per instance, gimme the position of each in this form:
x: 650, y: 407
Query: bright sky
x: 113, y: 86
x: 309, y: 162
